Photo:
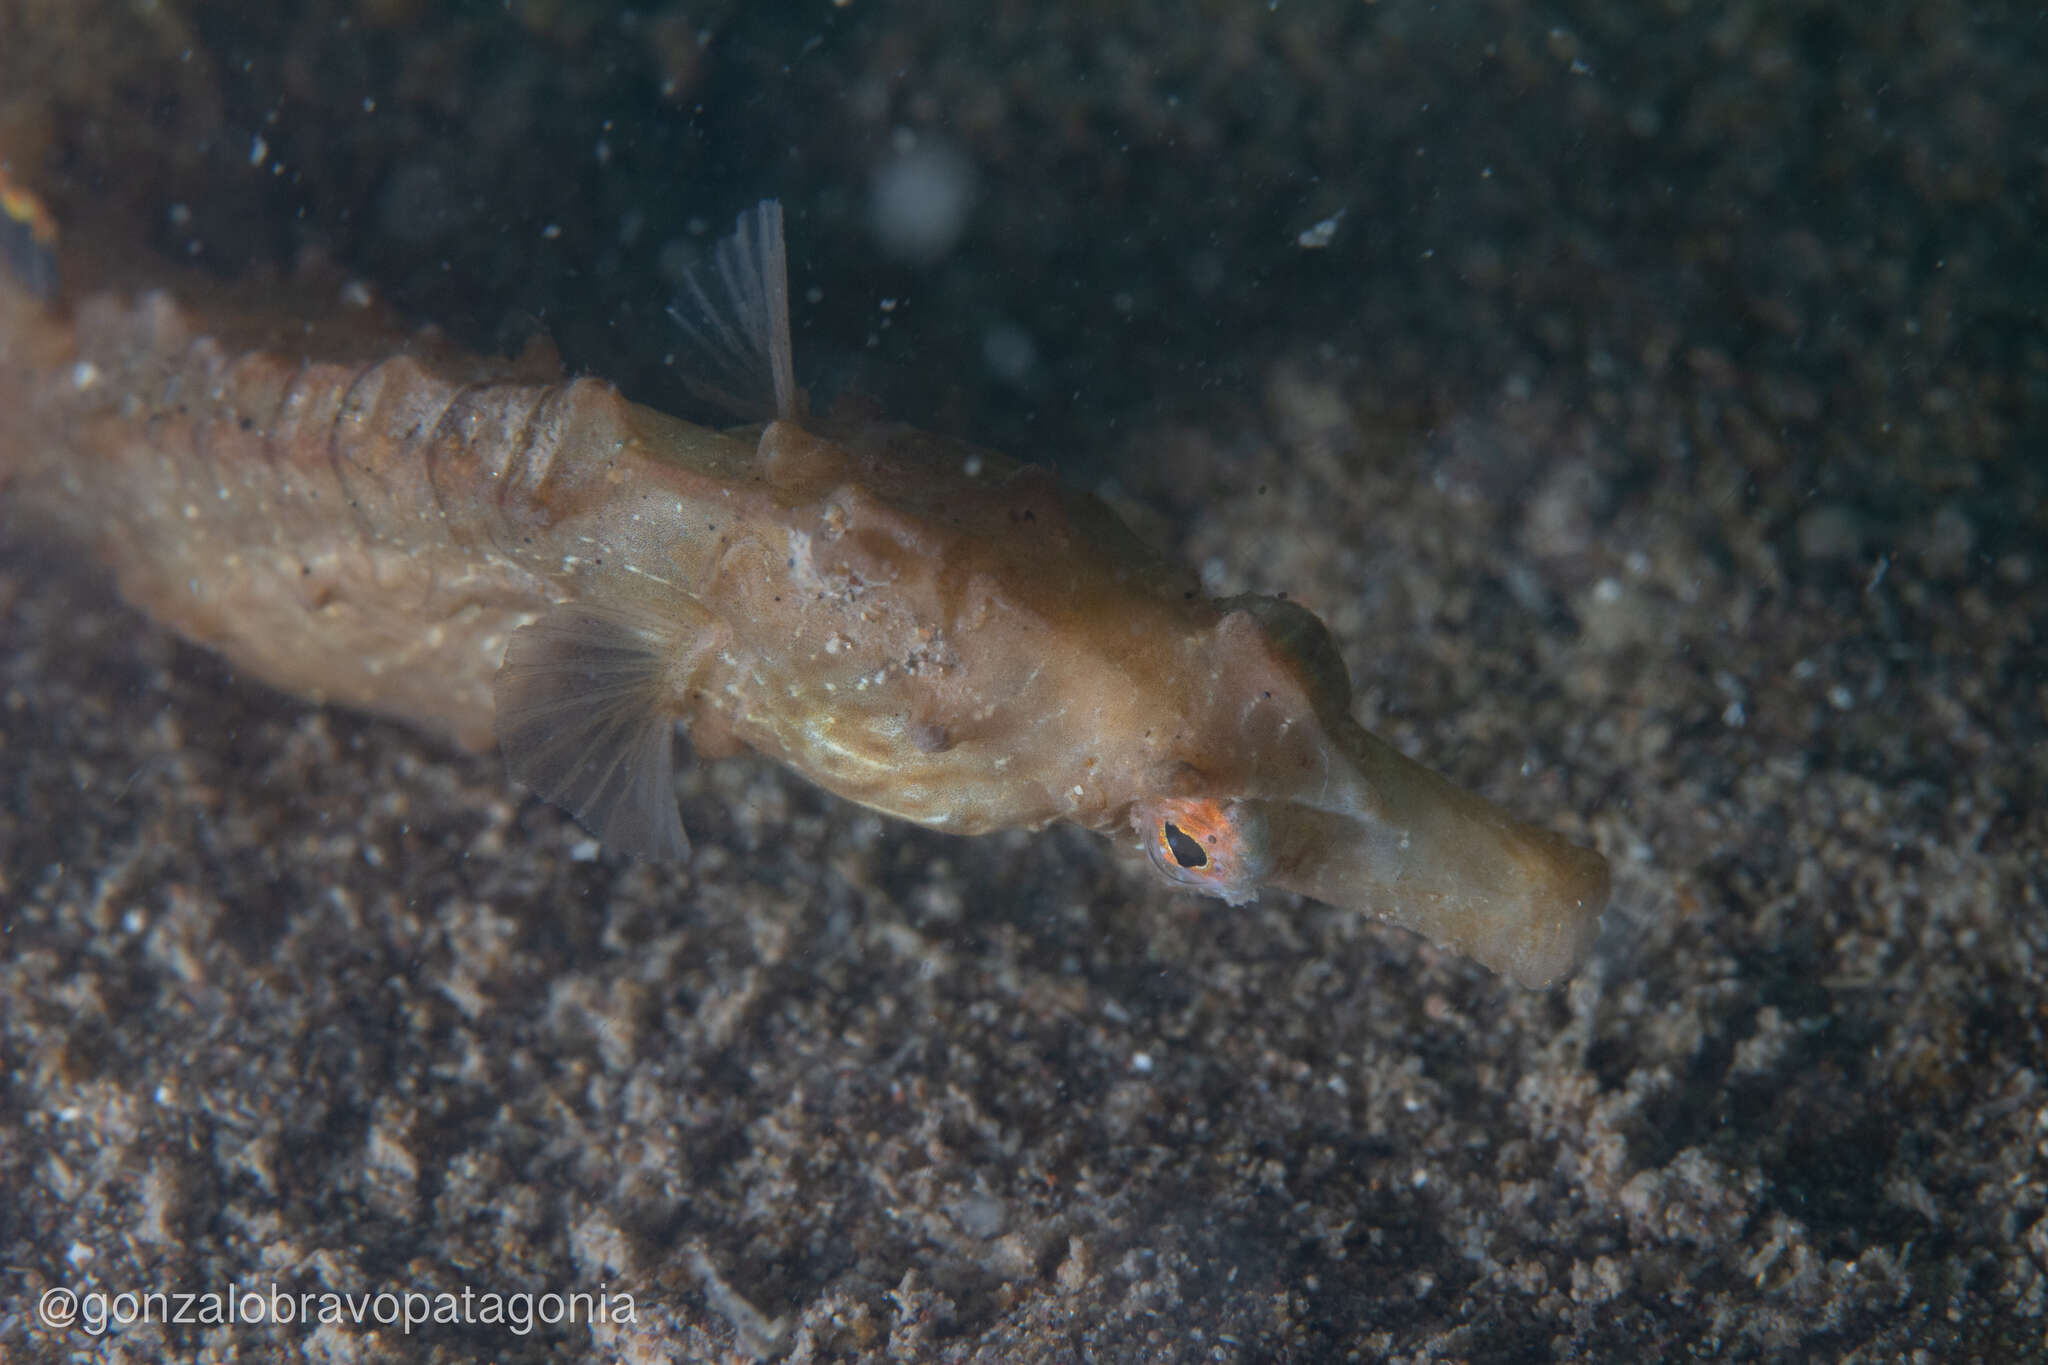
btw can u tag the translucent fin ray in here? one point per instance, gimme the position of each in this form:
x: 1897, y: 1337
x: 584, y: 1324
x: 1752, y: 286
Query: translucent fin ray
x: 734, y: 311
x: 584, y: 719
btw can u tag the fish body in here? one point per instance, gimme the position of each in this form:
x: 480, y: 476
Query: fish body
x: 497, y: 554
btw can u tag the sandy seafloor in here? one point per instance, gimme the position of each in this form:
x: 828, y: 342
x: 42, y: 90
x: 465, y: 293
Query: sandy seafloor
x: 1661, y: 431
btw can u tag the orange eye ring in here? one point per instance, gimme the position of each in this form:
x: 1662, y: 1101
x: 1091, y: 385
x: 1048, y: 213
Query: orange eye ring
x: 1205, y: 844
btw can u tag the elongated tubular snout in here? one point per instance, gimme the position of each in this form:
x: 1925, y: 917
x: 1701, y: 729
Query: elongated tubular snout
x: 1410, y: 847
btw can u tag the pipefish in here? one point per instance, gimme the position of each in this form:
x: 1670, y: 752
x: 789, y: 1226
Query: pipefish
x: 370, y: 516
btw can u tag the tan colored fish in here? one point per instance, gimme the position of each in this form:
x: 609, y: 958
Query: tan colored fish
x: 496, y: 555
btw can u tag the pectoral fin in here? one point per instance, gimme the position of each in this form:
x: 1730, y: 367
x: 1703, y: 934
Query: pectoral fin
x: 586, y: 717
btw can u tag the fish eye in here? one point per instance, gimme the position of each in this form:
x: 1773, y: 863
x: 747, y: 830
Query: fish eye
x: 1205, y: 844
x: 1185, y: 851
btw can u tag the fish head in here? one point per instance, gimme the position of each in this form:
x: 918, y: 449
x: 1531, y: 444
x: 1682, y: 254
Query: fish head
x: 1274, y: 784
x: 1253, y: 690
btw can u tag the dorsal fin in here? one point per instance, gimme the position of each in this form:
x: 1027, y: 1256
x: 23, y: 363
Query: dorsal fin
x: 734, y: 309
